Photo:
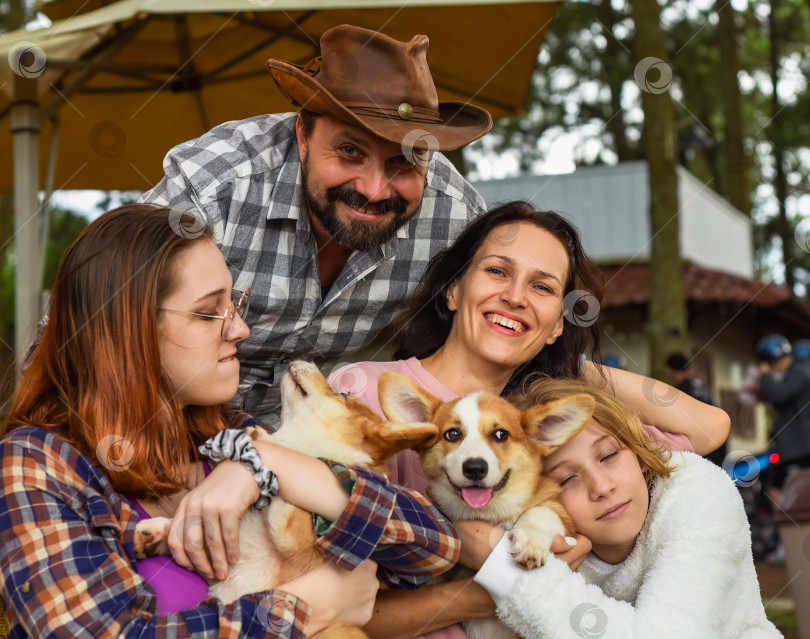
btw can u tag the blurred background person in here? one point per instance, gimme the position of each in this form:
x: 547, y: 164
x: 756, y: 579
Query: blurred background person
x: 680, y: 370
x: 784, y: 383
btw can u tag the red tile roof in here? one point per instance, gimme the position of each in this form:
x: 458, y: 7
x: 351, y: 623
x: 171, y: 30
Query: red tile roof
x: 631, y: 285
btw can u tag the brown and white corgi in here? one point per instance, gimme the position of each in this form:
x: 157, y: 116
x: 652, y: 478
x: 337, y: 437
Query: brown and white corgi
x: 277, y: 544
x: 486, y: 463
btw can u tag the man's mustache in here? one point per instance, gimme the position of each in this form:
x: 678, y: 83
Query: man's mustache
x: 359, y: 201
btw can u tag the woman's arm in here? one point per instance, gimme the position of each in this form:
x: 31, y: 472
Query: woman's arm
x: 664, y: 406
x: 404, y: 614
x: 407, y: 614
x: 221, y: 499
x: 398, y: 528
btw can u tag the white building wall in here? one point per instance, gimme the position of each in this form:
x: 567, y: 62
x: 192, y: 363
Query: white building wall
x: 609, y: 205
x: 713, y: 233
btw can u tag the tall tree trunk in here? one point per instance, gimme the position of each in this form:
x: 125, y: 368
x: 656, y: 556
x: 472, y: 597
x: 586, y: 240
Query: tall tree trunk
x: 780, y: 185
x: 735, y: 166
x: 615, y: 81
x: 667, y: 312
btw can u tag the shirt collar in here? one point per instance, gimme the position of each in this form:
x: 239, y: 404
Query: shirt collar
x: 287, y: 202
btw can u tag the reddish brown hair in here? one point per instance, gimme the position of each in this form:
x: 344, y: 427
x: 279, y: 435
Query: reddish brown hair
x: 95, y: 378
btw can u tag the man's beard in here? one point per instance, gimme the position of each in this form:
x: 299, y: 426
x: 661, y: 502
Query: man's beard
x: 352, y: 233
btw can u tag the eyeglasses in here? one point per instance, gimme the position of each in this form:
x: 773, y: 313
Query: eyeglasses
x: 236, y: 307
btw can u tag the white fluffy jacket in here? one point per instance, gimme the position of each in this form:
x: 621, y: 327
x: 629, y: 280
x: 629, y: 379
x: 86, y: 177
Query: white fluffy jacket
x: 690, y: 576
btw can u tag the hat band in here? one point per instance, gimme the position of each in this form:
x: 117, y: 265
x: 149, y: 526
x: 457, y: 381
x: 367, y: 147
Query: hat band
x: 420, y: 115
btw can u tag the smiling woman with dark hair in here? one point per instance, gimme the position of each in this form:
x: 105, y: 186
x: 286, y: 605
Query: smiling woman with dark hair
x: 426, y: 322
x: 133, y: 375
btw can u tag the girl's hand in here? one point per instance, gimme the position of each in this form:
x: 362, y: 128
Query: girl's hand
x: 204, y: 535
x: 337, y: 595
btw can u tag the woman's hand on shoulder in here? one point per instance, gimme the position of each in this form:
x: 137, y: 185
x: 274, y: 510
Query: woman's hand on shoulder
x: 205, y: 530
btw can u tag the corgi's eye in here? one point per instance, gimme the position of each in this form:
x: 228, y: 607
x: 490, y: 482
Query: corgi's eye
x: 500, y: 435
x: 452, y: 434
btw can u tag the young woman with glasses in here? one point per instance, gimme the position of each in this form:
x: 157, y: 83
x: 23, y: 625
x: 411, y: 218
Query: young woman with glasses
x: 132, y: 374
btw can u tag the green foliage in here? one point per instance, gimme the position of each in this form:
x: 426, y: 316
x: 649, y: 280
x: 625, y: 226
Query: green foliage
x: 14, y: 14
x: 585, y: 84
x: 65, y: 227
x: 572, y: 85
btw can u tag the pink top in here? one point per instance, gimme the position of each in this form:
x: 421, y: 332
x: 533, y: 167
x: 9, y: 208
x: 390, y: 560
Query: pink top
x: 360, y: 379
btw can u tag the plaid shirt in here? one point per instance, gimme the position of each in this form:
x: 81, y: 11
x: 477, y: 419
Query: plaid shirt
x: 245, y: 176
x: 68, y: 568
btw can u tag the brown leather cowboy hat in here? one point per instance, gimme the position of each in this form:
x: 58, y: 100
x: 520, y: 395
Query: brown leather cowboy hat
x: 382, y: 85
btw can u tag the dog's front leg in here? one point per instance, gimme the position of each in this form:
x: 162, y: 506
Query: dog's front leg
x: 532, y: 534
x: 152, y: 537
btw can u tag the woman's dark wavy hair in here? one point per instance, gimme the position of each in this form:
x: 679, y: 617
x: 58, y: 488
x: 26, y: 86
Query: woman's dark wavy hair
x: 424, y: 322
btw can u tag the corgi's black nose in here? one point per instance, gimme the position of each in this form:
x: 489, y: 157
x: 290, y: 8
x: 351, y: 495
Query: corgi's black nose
x: 475, y: 468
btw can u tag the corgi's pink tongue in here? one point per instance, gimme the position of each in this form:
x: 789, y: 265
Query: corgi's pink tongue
x: 476, y: 497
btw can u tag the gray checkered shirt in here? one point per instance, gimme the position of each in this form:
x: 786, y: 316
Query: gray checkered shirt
x: 245, y: 176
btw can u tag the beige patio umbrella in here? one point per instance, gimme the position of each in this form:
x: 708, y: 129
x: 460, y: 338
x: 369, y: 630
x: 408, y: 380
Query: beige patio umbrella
x: 98, y: 98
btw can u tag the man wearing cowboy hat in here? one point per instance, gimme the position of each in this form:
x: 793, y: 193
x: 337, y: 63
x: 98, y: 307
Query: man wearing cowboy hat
x: 330, y: 215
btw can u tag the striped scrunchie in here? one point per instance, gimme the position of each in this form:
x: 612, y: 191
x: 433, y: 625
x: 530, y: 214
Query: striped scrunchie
x: 235, y: 444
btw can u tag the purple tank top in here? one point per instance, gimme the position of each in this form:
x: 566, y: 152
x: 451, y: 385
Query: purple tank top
x: 175, y: 587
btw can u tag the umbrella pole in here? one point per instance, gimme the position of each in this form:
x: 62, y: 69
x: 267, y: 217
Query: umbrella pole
x: 25, y: 126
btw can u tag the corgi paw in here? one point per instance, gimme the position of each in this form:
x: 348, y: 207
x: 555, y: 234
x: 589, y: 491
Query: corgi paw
x: 151, y: 537
x: 529, y: 551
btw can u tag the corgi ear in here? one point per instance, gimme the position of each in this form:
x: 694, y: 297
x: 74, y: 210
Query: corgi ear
x: 555, y: 423
x: 404, y: 402
x: 390, y: 437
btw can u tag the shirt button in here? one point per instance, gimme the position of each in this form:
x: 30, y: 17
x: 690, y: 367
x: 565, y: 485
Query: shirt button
x: 26, y: 587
